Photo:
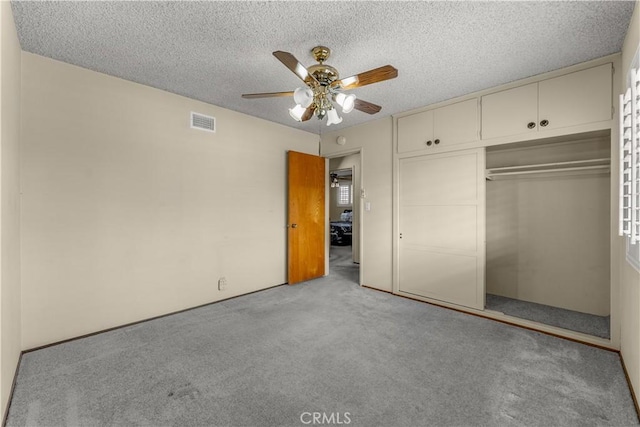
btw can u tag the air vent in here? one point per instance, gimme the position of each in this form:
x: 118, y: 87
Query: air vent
x: 202, y: 122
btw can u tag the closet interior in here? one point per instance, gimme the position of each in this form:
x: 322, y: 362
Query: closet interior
x: 548, y: 232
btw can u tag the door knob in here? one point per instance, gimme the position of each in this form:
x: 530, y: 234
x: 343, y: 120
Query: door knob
x: 544, y: 123
x: 437, y: 141
x: 531, y: 125
x: 429, y: 143
x: 294, y: 225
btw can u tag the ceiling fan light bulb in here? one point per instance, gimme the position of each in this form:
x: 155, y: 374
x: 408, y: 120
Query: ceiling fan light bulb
x: 347, y: 102
x: 303, y: 96
x: 297, y: 112
x: 333, y: 118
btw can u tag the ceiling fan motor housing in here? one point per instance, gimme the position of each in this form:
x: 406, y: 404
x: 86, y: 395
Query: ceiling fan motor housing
x: 324, y: 74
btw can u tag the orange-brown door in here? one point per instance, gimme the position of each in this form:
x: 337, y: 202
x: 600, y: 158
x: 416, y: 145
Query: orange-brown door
x: 306, y: 217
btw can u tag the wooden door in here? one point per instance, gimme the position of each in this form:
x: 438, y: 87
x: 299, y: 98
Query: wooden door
x: 442, y: 226
x: 576, y: 98
x: 306, y: 218
x: 510, y: 111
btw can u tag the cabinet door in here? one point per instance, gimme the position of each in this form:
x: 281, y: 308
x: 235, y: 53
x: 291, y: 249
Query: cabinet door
x: 577, y: 98
x: 441, y: 221
x: 509, y: 112
x: 414, y: 131
x: 456, y: 123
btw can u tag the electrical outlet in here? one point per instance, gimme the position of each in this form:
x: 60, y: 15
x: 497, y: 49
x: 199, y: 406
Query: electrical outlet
x: 222, y: 284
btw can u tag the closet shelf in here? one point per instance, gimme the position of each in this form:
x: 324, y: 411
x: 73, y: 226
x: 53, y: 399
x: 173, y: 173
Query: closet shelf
x: 592, y: 165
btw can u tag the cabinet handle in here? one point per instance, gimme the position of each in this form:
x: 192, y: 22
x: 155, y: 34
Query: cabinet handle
x: 437, y: 141
x: 429, y: 143
x: 544, y: 123
x: 531, y: 125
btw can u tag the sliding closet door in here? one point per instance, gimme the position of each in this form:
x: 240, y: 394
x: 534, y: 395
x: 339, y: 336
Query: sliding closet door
x: 442, y: 227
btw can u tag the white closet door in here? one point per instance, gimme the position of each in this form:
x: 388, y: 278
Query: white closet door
x: 442, y: 227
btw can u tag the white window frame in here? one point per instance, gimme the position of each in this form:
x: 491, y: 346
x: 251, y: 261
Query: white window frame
x: 629, y: 179
x: 349, y: 188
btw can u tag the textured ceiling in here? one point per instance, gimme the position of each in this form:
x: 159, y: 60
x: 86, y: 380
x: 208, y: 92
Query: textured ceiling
x: 216, y: 51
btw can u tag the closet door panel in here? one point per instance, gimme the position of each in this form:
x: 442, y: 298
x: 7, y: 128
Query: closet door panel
x: 509, y: 112
x: 456, y: 123
x: 414, y: 131
x: 445, y: 277
x: 436, y: 179
x: 576, y: 98
x: 441, y: 222
x: 441, y: 227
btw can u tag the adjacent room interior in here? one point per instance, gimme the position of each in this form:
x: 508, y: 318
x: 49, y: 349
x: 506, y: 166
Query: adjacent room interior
x: 344, y: 215
x: 477, y: 220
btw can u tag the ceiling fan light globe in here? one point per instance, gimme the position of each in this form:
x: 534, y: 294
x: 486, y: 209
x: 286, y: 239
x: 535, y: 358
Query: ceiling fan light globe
x: 333, y: 118
x: 303, y: 96
x: 347, y: 102
x: 297, y: 112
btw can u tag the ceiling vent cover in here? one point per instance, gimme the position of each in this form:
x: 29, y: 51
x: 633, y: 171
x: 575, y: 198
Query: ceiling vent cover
x: 202, y: 122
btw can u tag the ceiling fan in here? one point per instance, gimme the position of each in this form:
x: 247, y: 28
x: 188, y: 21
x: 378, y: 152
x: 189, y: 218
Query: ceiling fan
x: 323, y: 85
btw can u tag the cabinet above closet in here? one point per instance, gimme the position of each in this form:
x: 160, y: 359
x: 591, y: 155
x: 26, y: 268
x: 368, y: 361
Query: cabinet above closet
x: 573, y: 99
x: 449, y: 125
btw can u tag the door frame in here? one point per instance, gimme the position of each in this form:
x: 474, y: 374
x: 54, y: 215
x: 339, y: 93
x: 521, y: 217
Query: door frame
x: 358, y: 194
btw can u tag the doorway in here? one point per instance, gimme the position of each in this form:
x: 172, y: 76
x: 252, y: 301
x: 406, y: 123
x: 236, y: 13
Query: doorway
x: 344, y: 218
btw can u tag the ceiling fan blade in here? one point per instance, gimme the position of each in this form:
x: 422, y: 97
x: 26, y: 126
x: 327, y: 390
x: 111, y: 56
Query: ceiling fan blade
x: 308, y: 113
x: 376, y: 75
x: 298, y: 69
x: 266, y: 95
x: 366, y: 107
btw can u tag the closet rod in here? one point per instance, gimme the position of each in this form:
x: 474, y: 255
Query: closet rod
x: 544, y: 165
x: 490, y: 175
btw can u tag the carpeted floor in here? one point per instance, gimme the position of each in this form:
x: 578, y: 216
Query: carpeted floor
x: 330, y: 347
x: 554, y: 316
x: 341, y: 264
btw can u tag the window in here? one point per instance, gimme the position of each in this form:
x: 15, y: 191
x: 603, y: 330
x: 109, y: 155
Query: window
x: 629, y: 191
x: 345, y: 195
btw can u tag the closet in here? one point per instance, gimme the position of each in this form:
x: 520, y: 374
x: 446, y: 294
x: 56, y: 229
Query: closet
x: 548, y: 232
x: 503, y: 201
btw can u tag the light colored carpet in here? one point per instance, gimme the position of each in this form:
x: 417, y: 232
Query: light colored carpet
x: 554, y: 316
x: 326, y: 346
x: 341, y: 265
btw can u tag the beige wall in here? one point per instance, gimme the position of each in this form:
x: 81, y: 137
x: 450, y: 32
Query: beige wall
x: 10, y: 345
x: 374, y: 141
x: 128, y: 213
x: 545, y: 234
x: 629, y: 277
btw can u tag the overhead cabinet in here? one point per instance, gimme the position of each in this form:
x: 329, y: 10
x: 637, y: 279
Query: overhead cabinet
x: 572, y: 99
x: 449, y: 125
